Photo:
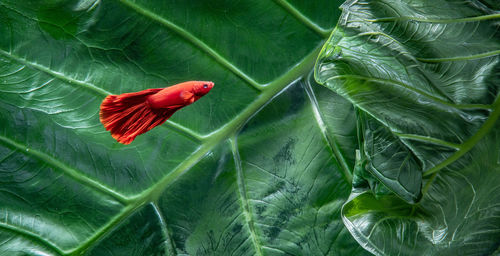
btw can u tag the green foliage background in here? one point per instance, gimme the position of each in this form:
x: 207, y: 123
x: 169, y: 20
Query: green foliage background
x: 425, y: 79
x: 247, y: 170
x: 265, y: 163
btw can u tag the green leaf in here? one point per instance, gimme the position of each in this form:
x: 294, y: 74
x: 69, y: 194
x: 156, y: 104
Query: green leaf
x: 260, y: 166
x: 425, y: 77
x: 458, y: 215
x: 426, y: 74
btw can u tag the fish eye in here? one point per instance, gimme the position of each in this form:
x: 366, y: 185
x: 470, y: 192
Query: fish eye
x: 205, y: 86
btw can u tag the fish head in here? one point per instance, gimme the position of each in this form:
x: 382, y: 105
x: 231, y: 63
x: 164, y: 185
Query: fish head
x: 201, y: 88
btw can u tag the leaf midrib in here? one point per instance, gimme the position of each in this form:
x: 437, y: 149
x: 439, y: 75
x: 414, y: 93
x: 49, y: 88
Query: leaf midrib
x: 215, y: 138
x: 269, y: 91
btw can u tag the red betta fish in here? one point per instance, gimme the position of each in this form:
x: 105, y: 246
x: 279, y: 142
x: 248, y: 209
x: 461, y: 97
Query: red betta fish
x: 130, y: 114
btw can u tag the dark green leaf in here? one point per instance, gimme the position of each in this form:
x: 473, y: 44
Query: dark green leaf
x: 197, y: 185
x: 458, y: 215
x: 426, y: 77
x: 426, y: 74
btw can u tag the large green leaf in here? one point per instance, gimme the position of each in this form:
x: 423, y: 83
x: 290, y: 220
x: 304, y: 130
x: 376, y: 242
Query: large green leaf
x: 425, y: 73
x: 260, y: 166
x: 425, y: 76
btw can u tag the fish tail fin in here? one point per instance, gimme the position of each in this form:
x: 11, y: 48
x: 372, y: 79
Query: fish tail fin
x: 128, y: 115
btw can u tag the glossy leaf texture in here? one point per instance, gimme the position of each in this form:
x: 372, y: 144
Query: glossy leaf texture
x: 425, y: 78
x: 260, y: 166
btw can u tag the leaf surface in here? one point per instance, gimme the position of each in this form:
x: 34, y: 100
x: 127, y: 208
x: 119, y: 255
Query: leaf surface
x: 249, y: 169
x: 425, y: 78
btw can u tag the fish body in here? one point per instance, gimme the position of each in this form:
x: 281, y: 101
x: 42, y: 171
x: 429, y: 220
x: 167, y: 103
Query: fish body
x: 181, y: 94
x: 130, y: 114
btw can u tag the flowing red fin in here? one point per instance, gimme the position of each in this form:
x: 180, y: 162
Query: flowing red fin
x: 128, y: 115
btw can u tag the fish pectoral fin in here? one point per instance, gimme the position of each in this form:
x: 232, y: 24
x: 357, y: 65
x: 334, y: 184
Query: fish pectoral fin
x: 187, y: 96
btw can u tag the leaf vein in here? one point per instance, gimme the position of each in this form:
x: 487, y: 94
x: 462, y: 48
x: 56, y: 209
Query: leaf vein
x: 324, y: 130
x: 415, y: 90
x: 303, y: 19
x: 30, y: 235
x: 243, y: 197
x: 165, y: 230
x: 472, y: 141
x: 213, y: 139
x: 457, y: 20
x: 194, y: 40
x: 459, y: 58
x: 69, y: 171
x: 99, y: 91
